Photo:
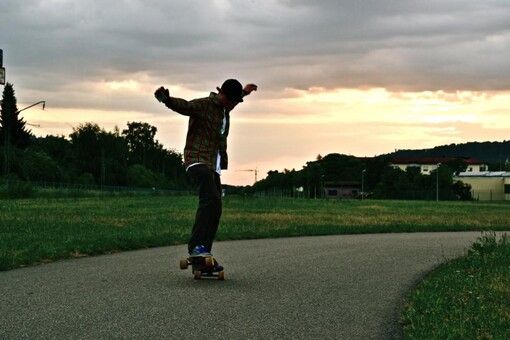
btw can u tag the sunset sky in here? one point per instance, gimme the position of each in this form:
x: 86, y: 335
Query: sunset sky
x: 353, y: 77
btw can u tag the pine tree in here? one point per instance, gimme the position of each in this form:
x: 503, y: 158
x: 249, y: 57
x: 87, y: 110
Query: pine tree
x: 12, y: 127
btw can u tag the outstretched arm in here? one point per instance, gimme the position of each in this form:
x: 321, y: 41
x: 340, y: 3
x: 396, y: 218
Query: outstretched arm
x: 184, y: 107
x: 249, y: 88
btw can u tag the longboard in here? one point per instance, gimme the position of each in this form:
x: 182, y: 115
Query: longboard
x: 201, y: 266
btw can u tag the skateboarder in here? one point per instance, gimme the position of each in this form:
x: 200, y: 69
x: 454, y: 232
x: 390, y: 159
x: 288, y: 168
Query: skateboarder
x: 205, y: 154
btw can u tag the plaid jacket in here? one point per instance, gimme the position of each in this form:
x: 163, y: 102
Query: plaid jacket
x: 204, y: 138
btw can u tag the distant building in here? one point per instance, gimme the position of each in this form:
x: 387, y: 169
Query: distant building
x: 429, y: 164
x: 342, y: 189
x: 487, y: 185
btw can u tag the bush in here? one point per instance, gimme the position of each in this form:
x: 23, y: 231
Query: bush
x: 19, y: 189
x: 39, y: 166
x: 85, y: 178
x: 462, y: 191
x: 488, y: 244
x: 140, y: 176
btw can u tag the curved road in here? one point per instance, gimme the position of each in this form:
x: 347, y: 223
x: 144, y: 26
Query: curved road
x: 338, y: 287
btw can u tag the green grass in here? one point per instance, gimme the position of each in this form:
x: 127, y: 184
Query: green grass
x: 467, y: 298
x: 41, y: 230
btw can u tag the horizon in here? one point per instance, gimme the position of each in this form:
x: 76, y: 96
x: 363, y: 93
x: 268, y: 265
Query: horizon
x: 343, y: 77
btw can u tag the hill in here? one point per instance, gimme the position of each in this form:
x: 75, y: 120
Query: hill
x: 489, y: 152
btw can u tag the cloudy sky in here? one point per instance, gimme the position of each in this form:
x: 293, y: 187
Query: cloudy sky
x: 353, y: 77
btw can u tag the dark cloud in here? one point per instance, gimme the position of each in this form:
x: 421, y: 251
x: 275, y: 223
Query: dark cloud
x: 53, y: 46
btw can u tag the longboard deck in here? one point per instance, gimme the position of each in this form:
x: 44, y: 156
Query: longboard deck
x: 202, y: 267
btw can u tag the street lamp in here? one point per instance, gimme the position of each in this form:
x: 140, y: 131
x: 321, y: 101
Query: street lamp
x: 7, y: 137
x: 363, y: 183
x: 437, y: 182
x: 43, y: 102
x: 322, y: 193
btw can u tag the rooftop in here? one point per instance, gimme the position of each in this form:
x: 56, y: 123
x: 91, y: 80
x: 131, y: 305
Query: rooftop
x: 434, y: 160
x: 484, y: 174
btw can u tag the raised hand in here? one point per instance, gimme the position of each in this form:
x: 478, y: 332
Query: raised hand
x: 250, y: 87
x: 162, y: 94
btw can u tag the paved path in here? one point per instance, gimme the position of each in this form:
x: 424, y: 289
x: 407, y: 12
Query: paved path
x: 338, y: 287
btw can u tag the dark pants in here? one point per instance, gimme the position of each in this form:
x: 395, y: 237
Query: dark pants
x: 208, y: 213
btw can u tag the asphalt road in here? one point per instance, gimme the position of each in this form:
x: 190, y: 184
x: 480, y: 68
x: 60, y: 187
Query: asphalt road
x: 337, y: 287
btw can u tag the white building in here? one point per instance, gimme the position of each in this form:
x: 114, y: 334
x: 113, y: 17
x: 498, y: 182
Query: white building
x: 429, y: 164
x: 487, y: 185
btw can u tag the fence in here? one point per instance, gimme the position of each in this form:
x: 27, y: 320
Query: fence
x: 75, y: 189
x: 490, y: 195
x: 425, y: 195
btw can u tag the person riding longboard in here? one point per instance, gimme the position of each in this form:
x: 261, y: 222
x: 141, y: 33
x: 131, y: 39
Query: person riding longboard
x: 205, y: 155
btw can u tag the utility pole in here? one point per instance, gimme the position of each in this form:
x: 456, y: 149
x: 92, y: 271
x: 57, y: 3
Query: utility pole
x: 2, y: 69
x: 103, y: 169
x: 363, y: 183
x: 437, y: 182
x: 7, y: 129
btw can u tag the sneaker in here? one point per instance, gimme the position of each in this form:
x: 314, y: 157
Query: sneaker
x: 199, y: 251
x: 217, y: 267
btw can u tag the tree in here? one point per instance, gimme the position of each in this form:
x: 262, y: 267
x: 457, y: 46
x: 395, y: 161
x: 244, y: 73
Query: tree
x: 338, y: 167
x: 172, y: 167
x: 313, y: 174
x: 59, y: 149
x: 100, y: 153
x: 114, y: 153
x: 141, y: 143
x: 457, y: 165
x: 39, y: 166
x: 12, y: 131
x: 85, y: 144
x: 145, y: 150
x: 462, y: 191
x: 374, y: 167
x: 139, y: 176
x: 394, y: 184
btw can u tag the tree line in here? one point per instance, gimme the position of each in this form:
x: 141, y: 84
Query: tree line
x: 380, y: 179
x: 89, y: 155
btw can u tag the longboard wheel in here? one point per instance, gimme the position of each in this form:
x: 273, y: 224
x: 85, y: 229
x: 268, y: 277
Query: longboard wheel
x: 208, y: 261
x: 183, y: 264
x: 221, y: 276
x: 197, y: 274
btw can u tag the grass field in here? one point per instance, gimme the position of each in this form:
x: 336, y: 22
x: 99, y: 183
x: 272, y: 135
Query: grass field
x: 43, y: 230
x: 466, y: 298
